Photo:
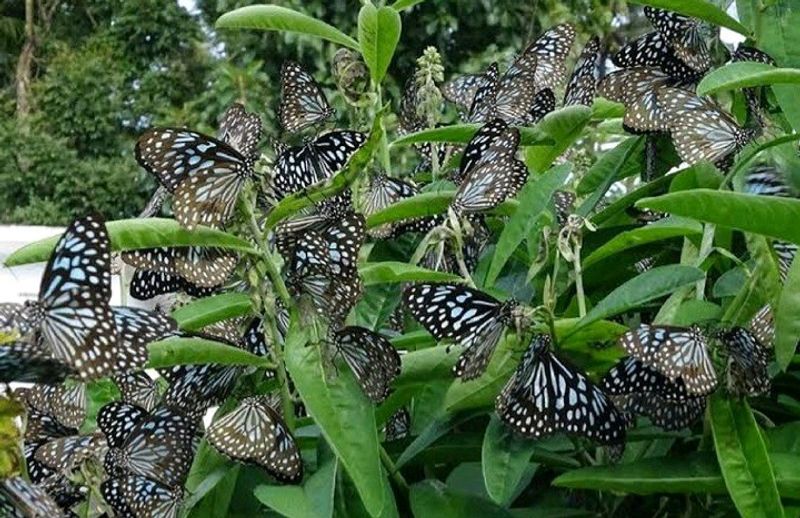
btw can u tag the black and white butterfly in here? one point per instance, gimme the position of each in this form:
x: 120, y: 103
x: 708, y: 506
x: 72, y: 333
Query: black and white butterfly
x: 755, y: 98
x: 140, y: 497
x: 255, y: 433
x: 26, y: 361
x: 545, y: 396
x: 200, y: 266
x: 676, y: 352
x: 303, y: 104
x: 665, y: 414
x: 470, y: 318
x: 372, y: 358
x: 146, y: 284
x: 654, y: 51
x: 66, y: 404
x: 21, y: 499
x: 398, y: 426
x: 748, y: 360
x: 701, y: 130
x: 299, y: 167
x: 583, y: 83
x: 254, y: 339
x: 544, y: 58
x: 65, y: 454
x: 493, y: 176
x: 564, y: 203
x: 632, y: 376
x: 193, y: 389
x: 136, y: 329
x: 138, y: 388
x: 160, y: 446
x: 637, y: 88
x: 72, y: 314
x: 384, y: 191
x: 683, y: 35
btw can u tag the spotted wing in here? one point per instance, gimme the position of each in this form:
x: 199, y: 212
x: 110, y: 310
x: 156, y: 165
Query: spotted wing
x: 302, y: 102
x: 582, y: 84
x: 373, y: 360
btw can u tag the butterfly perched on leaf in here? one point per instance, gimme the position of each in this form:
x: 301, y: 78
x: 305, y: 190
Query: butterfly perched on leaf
x: 493, y: 173
x: 632, y: 376
x: 468, y: 317
x: 66, y: 404
x: 665, y: 414
x: 255, y: 433
x: 676, y: 352
x: 583, y: 82
x: 204, y: 174
x: 372, y: 358
x: 637, y: 88
x: 303, y: 104
x: 299, y: 167
x: 683, y: 35
x: 755, y: 97
x: 201, y: 266
x: 749, y: 354
x: 384, y: 191
x: 137, y: 496
x: 701, y: 130
x: 544, y: 58
x: 545, y: 396
x: 146, y: 284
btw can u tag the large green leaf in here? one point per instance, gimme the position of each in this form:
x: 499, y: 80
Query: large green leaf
x: 188, y: 351
x: 432, y: 498
x: 650, y: 285
x: 787, y: 325
x: 608, y: 169
x: 378, y: 34
x: 695, y: 473
x: 313, y: 500
x: 564, y: 126
x: 424, y: 204
x: 735, y: 76
x: 208, y: 310
x: 767, y: 215
x: 395, y: 272
x: 533, y: 200
x: 276, y: 18
x: 664, y: 229
x: 505, y: 459
x: 130, y: 234
x: 701, y: 9
x: 463, y: 133
x: 342, y: 412
x: 743, y: 458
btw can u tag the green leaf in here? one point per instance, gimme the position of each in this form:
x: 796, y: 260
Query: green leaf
x: 208, y: 310
x: 130, y: 234
x: 664, y: 229
x: 344, y: 415
x: 378, y: 34
x: 402, y: 5
x: 313, y: 500
x: 787, y: 325
x: 505, y: 459
x: 425, y: 204
x: 735, y: 76
x: 650, y: 285
x: 395, y: 271
x: 189, y: 351
x: 276, y: 18
x: 743, y: 458
x: 463, y: 133
x: 432, y: 498
x: 695, y: 473
x: 533, y: 200
x: 564, y: 126
x: 607, y: 170
x: 701, y: 9
x: 435, y: 430
x: 767, y: 215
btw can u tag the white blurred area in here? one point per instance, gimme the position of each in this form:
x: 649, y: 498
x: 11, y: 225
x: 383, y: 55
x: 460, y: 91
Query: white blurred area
x: 21, y: 283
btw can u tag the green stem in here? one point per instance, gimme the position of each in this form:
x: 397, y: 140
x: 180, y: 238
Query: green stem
x: 393, y: 471
x: 706, y: 246
x: 272, y: 270
x: 576, y: 262
x: 384, y: 141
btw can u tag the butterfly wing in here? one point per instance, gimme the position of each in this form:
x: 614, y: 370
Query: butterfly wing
x: 683, y: 36
x: 302, y: 102
x: 136, y: 329
x: 373, y: 360
x: 637, y: 88
x: 631, y: 376
x: 484, y: 104
x: 544, y: 58
x: 138, y: 388
x: 18, y: 497
x: 117, y: 420
x: 762, y: 325
x: 543, y: 103
x: 343, y: 242
x: 146, y: 284
x: 242, y: 131
x: 461, y: 90
x: 582, y: 84
x: 748, y: 360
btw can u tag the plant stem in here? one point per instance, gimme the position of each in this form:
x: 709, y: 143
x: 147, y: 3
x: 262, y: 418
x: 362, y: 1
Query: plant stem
x: 272, y: 271
x: 392, y: 469
x: 706, y: 246
x: 576, y: 262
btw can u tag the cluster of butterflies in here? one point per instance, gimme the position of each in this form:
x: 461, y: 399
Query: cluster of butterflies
x: 145, y: 442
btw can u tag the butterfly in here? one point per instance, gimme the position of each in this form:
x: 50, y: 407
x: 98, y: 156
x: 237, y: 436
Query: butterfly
x: 753, y: 96
x: 748, y: 360
x: 653, y: 51
x: 384, y: 191
x: 683, y: 36
x: 200, y: 266
x: 398, y: 426
x: 544, y: 58
x: 254, y: 339
x: 632, y: 376
x: 146, y: 284
x: 700, y: 130
x: 254, y: 433
x: 299, y: 167
x: 494, y: 176
x: 372, y: 358
x: 136, y: 328
x: 583, y: 83
x: 564, y: 202
x: 204, y: 174
x: 66, y: 404
x: 138, y: 388
x: 645, y: 264
x: 302, y: 102
x: 21, y: 499
x: 193, y: 389
x: 545, y: 396
x: 159, y: 446
x: 22, y: 361
x: 665, y: 414
x: 65, y: 454
x: 72, y: 314
x: 242, y: 131
x: 637, y: 89
x: 676, y: 352
x: 137, y: 496
x: 469, y: 317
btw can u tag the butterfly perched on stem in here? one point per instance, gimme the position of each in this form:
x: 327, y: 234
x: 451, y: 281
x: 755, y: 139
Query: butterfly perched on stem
x: 204, y: 174
x: 470, y: 318
x: 676, y: 352
x: 583, y: 83
x: 372, y: 358
x: 303, y: 104
x: 545, y: 396
x: 749, y: 354
x: 637, y: 88
x: 254, y: 433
